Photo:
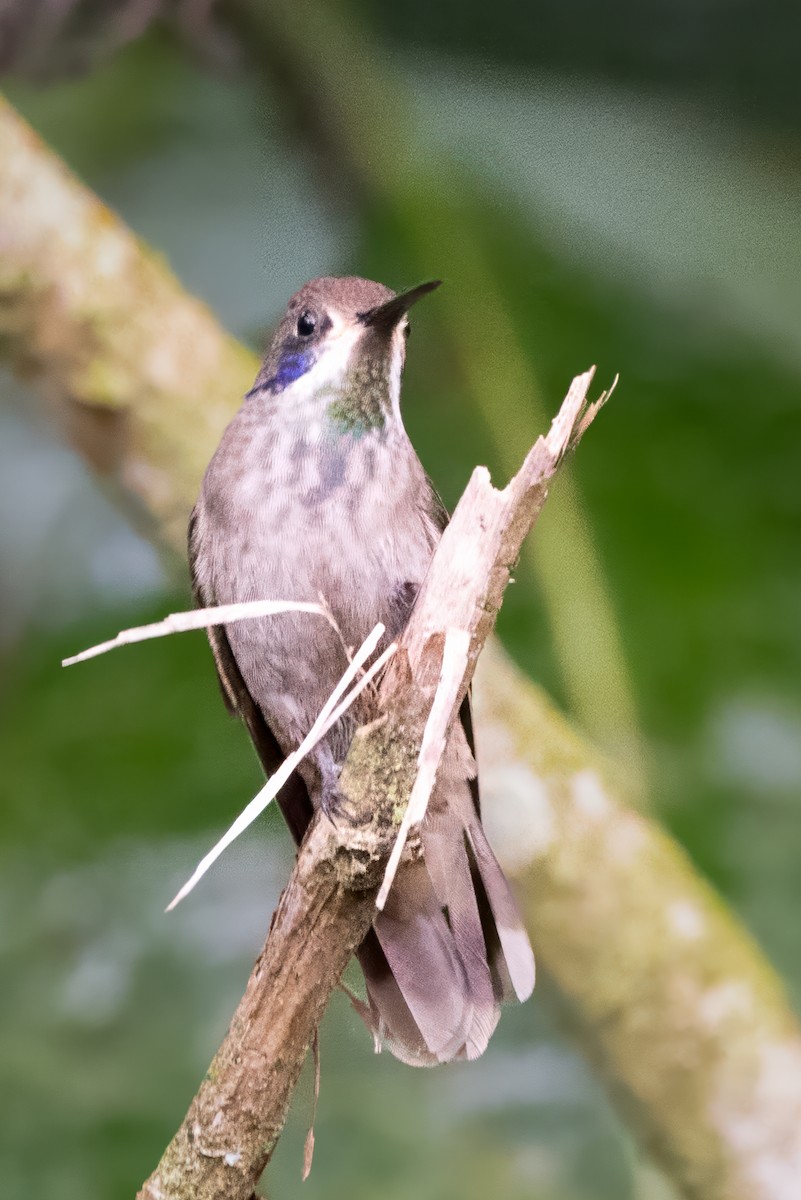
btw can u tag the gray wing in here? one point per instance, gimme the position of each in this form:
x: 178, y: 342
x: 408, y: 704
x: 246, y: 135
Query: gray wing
x: 293, y: 798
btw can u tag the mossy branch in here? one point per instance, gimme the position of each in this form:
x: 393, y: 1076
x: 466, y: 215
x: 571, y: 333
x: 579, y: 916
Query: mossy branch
x: 129, y: 363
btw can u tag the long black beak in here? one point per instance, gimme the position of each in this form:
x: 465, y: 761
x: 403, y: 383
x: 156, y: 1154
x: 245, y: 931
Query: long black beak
x: 386, y: 316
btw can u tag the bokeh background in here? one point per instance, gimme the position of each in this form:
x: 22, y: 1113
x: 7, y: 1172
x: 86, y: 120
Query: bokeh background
x: 614, y: 184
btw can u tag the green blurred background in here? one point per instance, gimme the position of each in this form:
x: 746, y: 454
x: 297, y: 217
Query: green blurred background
x: 616, y: 184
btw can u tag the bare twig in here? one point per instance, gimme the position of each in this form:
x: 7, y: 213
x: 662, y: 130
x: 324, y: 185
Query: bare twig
x: 200, y: 618
x: 329, y: 902
x: 308, y: 1149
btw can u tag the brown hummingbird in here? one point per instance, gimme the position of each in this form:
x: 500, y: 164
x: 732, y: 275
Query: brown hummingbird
x: 315, y: 490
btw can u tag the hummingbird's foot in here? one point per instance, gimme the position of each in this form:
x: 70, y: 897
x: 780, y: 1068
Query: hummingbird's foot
x: 328, y: 786
x: 329, y: 802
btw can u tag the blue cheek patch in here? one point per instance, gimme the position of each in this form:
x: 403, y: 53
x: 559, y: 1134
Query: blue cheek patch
x: 293, y: 364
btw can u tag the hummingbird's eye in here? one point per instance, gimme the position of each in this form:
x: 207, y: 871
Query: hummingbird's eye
x: 307, y: 323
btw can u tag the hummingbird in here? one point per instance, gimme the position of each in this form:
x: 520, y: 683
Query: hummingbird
x: 316, y: 491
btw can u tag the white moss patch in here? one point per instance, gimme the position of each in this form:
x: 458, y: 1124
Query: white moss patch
x: 733, y: 999
x: 686, y: 920
x: 589, y: 796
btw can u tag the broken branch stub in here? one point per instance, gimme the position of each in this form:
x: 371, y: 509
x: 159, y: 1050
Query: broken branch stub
x: 464, y: 586
x: 329, y: 903
x: 459, y: 598
x: 463, y: 590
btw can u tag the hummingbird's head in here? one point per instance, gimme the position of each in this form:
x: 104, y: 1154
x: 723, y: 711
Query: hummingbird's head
x: 338, y: 353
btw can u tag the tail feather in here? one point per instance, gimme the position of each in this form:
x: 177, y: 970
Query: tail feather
x: 388, y: 1015
x: 424, y: 960
x: 449, y: 867
x: 449, y: 946
x: 516, y: 951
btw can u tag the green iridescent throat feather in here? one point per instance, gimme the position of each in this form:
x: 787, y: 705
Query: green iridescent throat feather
x: 363, y: 405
